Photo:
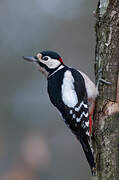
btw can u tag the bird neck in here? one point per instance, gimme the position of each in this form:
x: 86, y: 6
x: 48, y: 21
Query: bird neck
x: 56, y: 70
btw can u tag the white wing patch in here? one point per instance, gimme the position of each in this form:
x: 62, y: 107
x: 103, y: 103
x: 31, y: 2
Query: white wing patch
x: 71, y: 112
x: 69, y: 96
x: 79, y: 107
x: 87, y: 123
x: 83, y: 114
x: 74, y: 116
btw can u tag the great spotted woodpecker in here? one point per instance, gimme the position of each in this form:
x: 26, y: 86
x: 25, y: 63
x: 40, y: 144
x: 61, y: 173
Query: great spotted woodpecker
x: 72, y: 93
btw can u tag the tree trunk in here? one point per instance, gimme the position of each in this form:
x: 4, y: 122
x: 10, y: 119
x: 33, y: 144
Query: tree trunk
x: 106, y: 117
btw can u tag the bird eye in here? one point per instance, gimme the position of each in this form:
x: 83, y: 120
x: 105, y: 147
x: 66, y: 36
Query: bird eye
x: 45, y: 58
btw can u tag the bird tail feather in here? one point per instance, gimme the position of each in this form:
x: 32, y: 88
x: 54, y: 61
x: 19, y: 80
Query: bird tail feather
x: 87, y: 150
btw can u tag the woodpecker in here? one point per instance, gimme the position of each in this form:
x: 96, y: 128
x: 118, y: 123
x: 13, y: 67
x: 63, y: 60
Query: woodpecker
x: 72, y: 93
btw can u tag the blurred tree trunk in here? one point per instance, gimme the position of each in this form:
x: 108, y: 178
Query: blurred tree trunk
x: 106, y: 117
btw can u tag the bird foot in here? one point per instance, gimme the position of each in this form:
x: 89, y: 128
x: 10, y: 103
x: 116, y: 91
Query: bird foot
x: 100, y: 79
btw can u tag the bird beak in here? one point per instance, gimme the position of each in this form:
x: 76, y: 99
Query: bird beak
x: 30, y: 58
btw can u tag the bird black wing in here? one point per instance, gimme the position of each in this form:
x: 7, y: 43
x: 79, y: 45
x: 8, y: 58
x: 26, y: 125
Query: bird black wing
x: 75, y: 115
x: 79, y: 115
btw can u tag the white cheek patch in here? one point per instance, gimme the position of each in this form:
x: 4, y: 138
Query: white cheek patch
x: 69, y: 95
x: 51, y: 63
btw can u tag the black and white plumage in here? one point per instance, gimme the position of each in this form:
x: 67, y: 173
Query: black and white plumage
x: 72, y: 93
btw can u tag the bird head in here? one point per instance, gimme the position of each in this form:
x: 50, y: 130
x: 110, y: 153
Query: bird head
x: 46, y: 61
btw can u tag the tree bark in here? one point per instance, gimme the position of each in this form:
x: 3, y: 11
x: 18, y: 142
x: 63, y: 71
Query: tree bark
x: 106, y: 117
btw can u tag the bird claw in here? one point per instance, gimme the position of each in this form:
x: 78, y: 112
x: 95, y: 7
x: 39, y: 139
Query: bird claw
x: 100, y: 79
x: 93, y: 171
x: 104, y: 81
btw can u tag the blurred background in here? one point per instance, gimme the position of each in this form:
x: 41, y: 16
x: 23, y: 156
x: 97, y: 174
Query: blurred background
x: 34, y: 141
